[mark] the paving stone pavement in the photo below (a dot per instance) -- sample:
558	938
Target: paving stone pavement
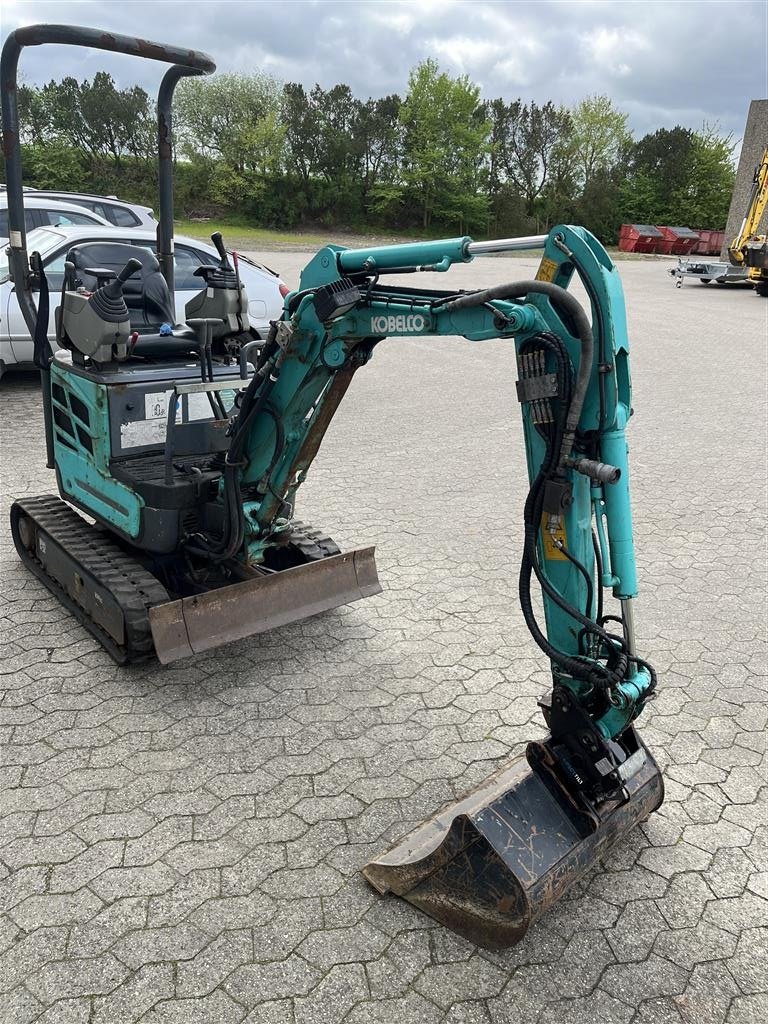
183	844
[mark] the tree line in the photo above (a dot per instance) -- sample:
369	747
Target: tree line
440	158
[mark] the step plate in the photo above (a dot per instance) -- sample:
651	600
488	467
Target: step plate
199	623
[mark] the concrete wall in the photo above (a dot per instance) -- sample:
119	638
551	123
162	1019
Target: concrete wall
755	141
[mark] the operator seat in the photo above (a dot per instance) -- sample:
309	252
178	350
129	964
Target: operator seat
146	295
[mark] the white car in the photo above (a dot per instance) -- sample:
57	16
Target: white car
41	211
265	289
113	210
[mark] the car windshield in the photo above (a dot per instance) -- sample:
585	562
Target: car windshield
41	240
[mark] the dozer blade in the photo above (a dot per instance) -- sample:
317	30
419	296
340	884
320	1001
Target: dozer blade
491	864
199	623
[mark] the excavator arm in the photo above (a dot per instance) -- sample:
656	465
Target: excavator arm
489	865
747	239
575	394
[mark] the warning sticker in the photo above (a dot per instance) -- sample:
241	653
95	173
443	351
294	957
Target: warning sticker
140	432
547	270
551	552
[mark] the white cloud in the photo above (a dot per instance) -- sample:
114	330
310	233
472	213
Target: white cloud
661	61
614	49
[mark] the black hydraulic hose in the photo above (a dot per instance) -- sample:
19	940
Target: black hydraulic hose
279	438
594	673
599	574
560	297
590	611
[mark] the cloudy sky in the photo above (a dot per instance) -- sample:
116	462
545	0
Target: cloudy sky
665	63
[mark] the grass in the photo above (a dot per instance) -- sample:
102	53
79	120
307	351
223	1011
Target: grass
242	236
245	237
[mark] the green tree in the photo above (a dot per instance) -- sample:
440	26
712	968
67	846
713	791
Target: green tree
599	138
658	166
302	129
96	118
677	176
380	133
445	143
711	178
234	118
527	140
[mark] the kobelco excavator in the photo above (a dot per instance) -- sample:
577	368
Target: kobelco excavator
185	449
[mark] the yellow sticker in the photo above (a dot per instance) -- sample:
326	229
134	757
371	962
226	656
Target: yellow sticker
551	551
547	270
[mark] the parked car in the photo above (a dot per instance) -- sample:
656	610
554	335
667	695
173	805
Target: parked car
115	211
265	289
39	212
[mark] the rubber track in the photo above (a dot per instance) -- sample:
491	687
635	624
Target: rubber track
313	544
132	587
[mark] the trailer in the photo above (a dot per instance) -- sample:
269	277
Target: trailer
707	271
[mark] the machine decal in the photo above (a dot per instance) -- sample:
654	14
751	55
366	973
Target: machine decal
551	551
547	270
156	405
390	324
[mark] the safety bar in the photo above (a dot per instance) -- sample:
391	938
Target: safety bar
189	62
165	172
71	35
507	244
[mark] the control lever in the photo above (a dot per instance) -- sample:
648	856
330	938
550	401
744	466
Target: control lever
218	243
109	281
203	328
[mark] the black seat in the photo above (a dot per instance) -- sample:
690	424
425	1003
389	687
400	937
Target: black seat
146	294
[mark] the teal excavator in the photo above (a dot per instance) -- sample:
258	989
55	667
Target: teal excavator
185	447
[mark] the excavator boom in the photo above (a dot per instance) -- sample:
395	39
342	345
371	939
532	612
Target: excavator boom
749	248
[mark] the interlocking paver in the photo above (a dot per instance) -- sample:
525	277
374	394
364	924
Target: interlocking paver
142	990
256	983
77	977
216	1008
203	973
183	843
708	995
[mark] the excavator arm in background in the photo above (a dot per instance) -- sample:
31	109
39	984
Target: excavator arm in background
749	248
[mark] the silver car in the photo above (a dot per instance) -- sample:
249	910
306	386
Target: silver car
111	209
265	289
41	210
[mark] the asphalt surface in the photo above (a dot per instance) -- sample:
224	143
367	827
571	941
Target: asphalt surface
183	845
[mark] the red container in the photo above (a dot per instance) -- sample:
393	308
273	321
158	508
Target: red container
710	242
676	241
639	238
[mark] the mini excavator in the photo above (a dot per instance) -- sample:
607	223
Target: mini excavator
178	454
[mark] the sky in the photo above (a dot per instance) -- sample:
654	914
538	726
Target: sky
664	63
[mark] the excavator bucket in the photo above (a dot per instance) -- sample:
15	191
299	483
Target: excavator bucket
490	865
194	624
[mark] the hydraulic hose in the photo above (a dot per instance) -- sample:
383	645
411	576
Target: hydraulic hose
596	674
560	297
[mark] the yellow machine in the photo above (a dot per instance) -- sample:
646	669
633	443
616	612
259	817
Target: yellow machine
750	249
